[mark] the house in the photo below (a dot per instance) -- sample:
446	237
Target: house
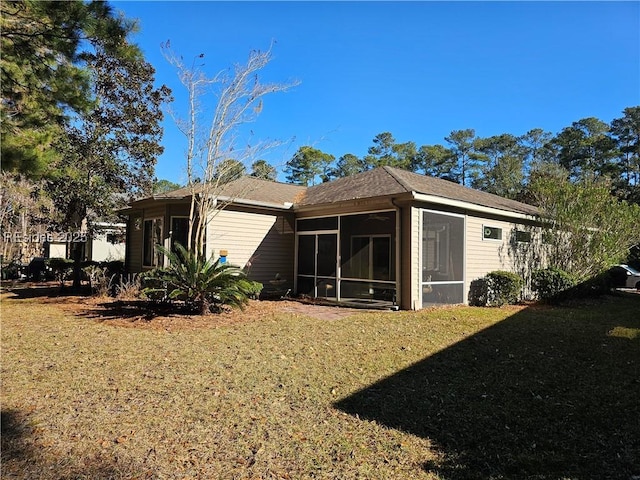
105	242
382	237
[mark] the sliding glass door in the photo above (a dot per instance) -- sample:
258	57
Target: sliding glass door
317	261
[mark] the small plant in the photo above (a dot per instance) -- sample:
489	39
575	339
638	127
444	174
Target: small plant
129	287
199	281
254	289
550	282
61	267
99	280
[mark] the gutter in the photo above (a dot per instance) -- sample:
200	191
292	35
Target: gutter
220	199
254	203
421	197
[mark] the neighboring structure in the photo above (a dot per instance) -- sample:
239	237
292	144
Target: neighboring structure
106	242
385	236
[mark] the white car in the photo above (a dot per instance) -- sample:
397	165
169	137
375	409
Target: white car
633	276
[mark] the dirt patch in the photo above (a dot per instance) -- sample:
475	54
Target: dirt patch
170	317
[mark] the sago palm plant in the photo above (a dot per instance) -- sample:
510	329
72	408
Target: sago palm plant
202	282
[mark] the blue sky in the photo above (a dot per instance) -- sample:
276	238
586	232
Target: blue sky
416	69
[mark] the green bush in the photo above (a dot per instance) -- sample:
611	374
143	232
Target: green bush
253	289
503	288
601	284
60	267
618	276
548	283
479	292
496	289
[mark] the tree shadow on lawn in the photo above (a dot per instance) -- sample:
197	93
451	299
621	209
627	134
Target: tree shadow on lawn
547	393
26	290
23	457
145	310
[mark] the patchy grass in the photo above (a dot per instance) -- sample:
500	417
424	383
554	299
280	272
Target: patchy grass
273	393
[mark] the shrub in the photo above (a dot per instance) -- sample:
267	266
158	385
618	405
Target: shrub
253	289
60	267
199	281
549	282
618	276
503	288
496	289
479	292
601	284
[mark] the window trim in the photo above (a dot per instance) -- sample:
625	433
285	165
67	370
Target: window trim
489	239
154	253
529	236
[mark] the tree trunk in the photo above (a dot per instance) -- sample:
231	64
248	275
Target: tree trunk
205	307
76	256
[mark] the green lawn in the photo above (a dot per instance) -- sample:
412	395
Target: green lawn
538	392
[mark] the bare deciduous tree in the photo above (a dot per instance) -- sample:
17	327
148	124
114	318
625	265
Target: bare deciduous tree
25	216
215	138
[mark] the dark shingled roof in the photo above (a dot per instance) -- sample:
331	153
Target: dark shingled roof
379	182
247	188
384	181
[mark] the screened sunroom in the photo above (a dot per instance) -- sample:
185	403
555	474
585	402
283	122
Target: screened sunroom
442	257
348	258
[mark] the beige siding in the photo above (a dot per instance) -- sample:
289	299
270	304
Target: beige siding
416	277
484	256
265	240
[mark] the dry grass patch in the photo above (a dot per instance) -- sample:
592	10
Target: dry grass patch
243	395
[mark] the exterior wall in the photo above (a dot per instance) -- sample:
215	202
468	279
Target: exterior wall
135	230
415	289
263	242
484	256
103	250
481	255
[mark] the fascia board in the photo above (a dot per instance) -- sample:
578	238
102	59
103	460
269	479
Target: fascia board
421	197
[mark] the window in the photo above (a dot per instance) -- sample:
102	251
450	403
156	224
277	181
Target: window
523	237
371	257
179	231
313	224
491	233
152	236
115	237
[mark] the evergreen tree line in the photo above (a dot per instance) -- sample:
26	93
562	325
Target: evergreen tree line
587	151
80	125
